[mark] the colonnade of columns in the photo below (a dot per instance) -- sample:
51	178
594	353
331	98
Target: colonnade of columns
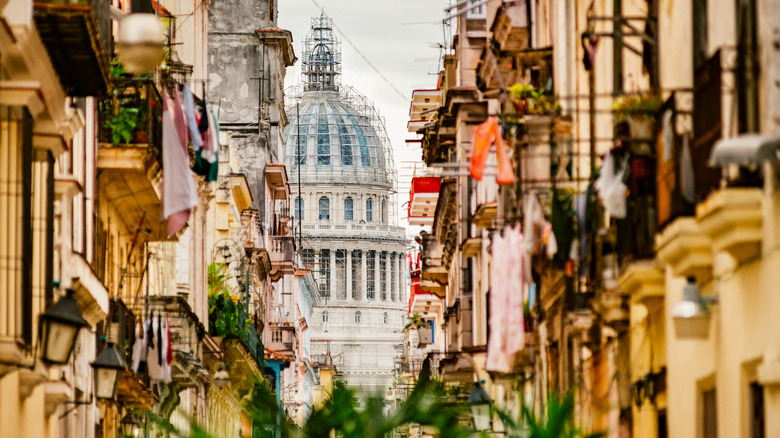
345	274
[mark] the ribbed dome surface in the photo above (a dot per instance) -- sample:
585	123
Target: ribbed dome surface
342	140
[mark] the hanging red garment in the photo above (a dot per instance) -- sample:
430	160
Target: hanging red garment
481	139
484	136
506	175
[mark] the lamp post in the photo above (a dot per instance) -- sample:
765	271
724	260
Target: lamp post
221	377
107	366
131	425
691	316
479	402
60	324
140	40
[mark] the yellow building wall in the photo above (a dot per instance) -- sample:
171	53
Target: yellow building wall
24	417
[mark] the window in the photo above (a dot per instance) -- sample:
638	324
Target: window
325	316
383	218
325	273
385	317
348	209
709	415
346	141
383	275
323	141
324	208
299	208
369	210
357	269
393	278
357	317
699	33
747	70
341	274
757	416
477	12
370	274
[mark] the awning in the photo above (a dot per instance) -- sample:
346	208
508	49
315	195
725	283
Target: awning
745	150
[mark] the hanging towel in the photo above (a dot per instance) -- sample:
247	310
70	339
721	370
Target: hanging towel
507	329
189	114
206	159
179	192
154	356
139	349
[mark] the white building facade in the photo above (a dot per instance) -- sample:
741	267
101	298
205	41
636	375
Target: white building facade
343	183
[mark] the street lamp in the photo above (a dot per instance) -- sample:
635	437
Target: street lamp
60	325
131	425
221	377
691	317
479	402
107	366
140	44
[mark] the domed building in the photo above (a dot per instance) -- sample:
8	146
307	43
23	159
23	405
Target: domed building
343	180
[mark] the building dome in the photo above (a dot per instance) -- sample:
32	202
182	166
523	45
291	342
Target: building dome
338	137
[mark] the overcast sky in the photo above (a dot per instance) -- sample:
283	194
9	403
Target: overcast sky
399	38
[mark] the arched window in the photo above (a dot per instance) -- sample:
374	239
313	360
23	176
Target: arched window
369	210
348	209
324	208
325	316
357	317
299	208
385	317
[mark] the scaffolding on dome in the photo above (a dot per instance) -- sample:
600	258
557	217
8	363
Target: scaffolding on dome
322	56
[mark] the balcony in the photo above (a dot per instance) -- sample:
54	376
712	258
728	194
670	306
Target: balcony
643	281
130	154
77	35
230	321
186	334
685	247
422	200
134	389
276	177
283	339
485	214
282	253
732	218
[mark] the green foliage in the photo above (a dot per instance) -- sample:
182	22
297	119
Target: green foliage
558	423
224	317
265	412
122	124
533	101
642	105
117	69
427	405
415	321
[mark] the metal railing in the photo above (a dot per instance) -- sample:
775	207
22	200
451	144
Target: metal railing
131	116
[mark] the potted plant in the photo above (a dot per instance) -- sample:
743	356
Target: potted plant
121	124
638	110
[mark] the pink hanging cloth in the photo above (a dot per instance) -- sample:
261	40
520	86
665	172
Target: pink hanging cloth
180	194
